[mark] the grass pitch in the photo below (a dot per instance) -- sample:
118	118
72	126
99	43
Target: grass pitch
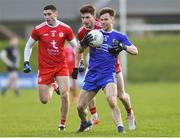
156	106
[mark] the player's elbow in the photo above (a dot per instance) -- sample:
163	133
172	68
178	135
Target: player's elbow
132	50
135	52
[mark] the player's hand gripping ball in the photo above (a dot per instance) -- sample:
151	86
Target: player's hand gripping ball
98	38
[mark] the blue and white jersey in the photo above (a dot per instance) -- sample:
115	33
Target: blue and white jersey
100	59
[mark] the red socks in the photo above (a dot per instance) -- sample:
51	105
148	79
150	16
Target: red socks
93	110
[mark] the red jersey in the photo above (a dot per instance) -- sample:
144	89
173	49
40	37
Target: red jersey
70	57
51	43
117	66
83	31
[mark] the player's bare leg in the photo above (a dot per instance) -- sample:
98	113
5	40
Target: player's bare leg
45	92
5	89
111	95
55	88
64	86
73	89
84	99
13	81
125	98
94	116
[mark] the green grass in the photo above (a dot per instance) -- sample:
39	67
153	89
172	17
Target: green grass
156	105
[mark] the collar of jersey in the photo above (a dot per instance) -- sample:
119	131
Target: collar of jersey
57	23
107	32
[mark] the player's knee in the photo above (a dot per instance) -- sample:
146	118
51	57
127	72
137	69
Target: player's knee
44	100
64	94
122	96
112	101
44	97
80	107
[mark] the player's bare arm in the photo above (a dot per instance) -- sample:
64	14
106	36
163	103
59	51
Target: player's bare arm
78	55
132	50
80	49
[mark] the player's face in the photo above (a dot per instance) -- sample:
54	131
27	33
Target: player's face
88	20
14	41
107	21
50	16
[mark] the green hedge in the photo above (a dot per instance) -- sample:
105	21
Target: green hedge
157	59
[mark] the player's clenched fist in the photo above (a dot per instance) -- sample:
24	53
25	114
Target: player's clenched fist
86	40
117	48
27	67
74	74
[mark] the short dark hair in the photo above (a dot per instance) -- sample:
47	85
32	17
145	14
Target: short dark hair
88	9
108	10
50	7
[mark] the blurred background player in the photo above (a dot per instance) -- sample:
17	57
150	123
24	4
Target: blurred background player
11	57
89	22
52	66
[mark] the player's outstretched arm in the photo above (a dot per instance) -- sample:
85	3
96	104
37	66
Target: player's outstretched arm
27	54
78	57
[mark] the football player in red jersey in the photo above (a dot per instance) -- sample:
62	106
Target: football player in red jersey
70	58
52	66
89	23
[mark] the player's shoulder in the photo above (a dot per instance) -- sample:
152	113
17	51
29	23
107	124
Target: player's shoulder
98	25
81	29
81	32
60	23
118	33
8	48
122	37
41	25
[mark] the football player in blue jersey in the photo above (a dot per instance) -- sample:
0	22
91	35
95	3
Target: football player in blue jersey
101	73
120	42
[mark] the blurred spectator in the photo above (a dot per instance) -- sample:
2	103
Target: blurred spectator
11	57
